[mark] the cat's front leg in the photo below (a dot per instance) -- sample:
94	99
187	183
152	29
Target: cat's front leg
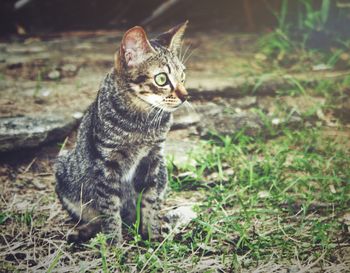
111	220
150	206
152	197
109	198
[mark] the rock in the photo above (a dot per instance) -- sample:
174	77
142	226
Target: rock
250	122
243	102
28	132
226	118
178	150
184	117
320	67
234	87
69	70
181	216
230	123
54	75
83	46
77	115
213	86
44	92
19	49
207	109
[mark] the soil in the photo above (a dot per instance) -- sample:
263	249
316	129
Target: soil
60	76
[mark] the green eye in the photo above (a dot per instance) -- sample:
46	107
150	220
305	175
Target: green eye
161	79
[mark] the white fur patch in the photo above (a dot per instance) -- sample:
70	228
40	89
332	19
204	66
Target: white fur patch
153	99
129	174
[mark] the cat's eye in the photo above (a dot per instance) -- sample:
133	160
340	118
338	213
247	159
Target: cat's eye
161	79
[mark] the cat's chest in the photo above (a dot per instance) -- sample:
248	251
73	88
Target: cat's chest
133	162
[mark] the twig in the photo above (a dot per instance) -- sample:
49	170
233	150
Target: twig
11	251
285	234
160	10
59	248
309	266
30	165
154	252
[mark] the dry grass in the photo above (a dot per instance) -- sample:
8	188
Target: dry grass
282	234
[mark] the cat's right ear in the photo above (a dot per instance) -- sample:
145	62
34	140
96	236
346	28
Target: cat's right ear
172	39
135	47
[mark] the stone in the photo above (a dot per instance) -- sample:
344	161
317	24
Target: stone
208	109
77	115
27	132
178	150
212	86
19	49
185	117
215	86
243	102
45	92
180	216
320	67
69	70
230	123
54	75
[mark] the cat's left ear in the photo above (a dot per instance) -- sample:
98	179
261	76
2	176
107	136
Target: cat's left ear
172	39
135	47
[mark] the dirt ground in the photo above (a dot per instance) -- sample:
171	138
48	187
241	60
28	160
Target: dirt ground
60	76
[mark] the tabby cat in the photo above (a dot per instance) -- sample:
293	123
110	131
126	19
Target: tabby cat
118	154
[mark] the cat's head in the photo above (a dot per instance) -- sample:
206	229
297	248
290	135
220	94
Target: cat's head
152	68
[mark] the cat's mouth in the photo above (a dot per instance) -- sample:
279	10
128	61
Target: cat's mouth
173	102
169	103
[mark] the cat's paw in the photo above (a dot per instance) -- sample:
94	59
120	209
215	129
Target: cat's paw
83	233
73	237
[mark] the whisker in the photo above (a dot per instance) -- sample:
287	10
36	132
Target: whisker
189	106
159	120
161	116
149	113
189	56
186	50
155	118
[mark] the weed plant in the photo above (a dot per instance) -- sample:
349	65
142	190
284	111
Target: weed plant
311	32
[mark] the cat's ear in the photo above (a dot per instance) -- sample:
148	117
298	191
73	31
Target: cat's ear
172	39
135	47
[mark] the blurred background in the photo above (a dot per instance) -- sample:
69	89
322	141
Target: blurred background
45	16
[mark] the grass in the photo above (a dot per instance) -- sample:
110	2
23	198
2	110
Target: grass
24	217
283	203
266	203
283	199
308	33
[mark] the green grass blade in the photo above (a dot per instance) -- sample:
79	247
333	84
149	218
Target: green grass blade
325	10
55	262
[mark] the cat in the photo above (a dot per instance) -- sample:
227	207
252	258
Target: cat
118	155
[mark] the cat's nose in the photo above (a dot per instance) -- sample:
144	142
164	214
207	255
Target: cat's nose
181	92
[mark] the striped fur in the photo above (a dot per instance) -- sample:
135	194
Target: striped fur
119	148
